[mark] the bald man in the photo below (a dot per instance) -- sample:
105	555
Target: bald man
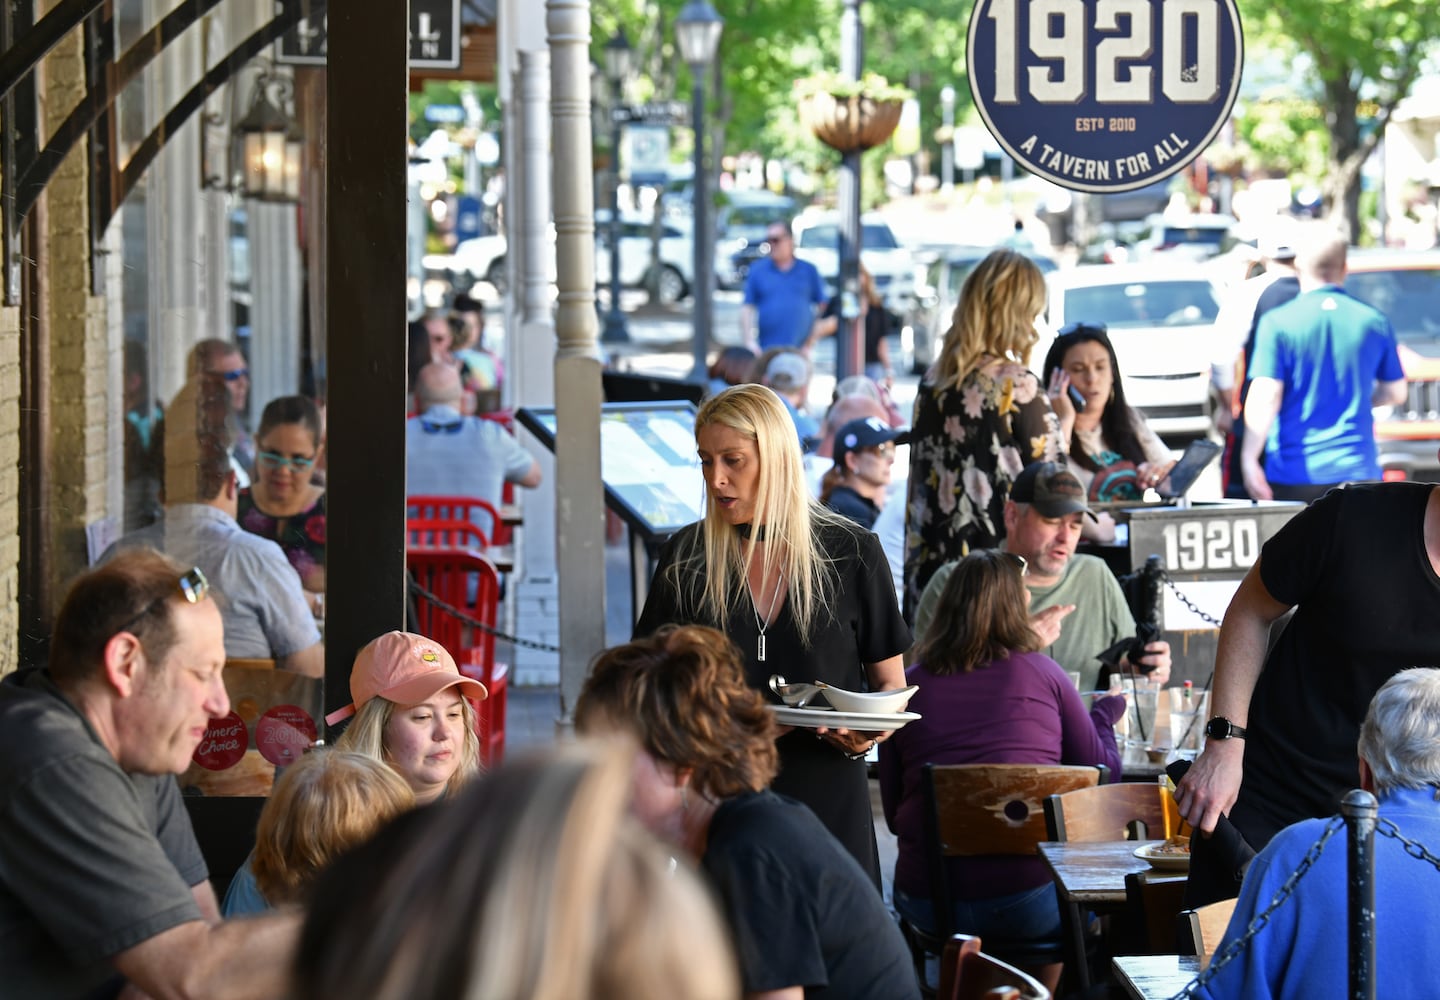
448	454
1321	362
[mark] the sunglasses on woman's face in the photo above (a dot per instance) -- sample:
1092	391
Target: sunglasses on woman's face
274	460
1020	563
1072	329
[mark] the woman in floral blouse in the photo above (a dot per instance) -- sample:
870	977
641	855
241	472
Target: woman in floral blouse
284	504
980	418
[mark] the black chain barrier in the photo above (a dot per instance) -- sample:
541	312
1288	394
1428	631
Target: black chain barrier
1194	608
1286	890
1383	827
455	612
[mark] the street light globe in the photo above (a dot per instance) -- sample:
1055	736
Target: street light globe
697	29
619	57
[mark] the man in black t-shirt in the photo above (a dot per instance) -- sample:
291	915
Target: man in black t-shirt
1360	566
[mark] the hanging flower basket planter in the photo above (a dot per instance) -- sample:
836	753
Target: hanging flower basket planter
850	116
850	124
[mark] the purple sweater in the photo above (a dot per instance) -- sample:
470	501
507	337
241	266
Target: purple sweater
1019	710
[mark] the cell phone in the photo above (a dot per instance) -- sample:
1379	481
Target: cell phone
1077	398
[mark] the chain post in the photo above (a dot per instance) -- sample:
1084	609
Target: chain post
1360	810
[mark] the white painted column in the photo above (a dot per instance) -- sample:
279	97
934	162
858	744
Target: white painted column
580	514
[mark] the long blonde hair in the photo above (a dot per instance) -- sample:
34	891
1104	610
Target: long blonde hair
995	315
782	504
533	885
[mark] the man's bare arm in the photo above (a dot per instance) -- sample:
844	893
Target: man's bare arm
246	959
1262	405
1390	393
309	661
1213	783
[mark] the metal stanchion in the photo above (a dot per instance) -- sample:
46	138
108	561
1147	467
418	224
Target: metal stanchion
1360	810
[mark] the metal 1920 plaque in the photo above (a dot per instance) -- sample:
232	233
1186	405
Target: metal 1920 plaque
1104	95
1214	541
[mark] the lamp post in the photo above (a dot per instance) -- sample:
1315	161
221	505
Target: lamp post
697	30
619	59
947	151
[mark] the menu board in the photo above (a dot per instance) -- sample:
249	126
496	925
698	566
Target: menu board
647	462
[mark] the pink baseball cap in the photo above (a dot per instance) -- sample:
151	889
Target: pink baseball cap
404	668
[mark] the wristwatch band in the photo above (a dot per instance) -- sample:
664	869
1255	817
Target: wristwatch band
1221	728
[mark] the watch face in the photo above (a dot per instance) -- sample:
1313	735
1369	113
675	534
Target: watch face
1218	729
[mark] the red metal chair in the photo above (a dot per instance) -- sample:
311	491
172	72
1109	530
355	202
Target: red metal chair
448	575
443	533
455	508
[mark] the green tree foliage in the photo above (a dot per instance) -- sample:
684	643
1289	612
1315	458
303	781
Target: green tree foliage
1358	51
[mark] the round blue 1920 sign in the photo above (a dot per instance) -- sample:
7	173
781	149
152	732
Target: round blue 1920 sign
1104	95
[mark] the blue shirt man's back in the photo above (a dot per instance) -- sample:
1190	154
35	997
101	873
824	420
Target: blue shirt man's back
784	301
1327	350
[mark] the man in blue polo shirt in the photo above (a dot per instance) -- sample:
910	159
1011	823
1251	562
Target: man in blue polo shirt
782	294
1321	362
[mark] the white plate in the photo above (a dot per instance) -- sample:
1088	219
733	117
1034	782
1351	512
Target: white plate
1164	862
865	722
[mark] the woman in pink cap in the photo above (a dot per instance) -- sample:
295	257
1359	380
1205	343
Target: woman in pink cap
412	711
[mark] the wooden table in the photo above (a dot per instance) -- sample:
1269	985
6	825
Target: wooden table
1089	876
1156	977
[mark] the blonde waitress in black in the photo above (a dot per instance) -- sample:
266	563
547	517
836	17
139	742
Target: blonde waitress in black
803	592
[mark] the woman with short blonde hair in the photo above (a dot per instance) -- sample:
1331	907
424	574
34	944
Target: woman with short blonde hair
323	805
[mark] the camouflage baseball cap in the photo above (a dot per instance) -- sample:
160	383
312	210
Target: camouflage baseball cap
1051	489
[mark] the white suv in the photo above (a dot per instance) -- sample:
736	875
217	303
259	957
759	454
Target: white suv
817	239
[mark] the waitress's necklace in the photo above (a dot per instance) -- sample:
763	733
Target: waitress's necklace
763	623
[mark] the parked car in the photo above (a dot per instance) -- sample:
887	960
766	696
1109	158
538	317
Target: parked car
817	239
1405	286
480	259
1161	320
740	228
677	255
939	276
1188	237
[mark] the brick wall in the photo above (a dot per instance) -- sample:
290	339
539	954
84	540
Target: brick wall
81	355
9	487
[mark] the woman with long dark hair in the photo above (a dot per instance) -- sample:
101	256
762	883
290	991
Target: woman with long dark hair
1113	451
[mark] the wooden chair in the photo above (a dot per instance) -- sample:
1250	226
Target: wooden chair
1153	901
984	809
967	973
1199	931
1108	812
448	574
456	508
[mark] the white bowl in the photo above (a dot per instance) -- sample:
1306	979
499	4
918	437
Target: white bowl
870	702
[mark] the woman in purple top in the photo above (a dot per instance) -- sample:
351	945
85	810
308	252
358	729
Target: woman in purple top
986	697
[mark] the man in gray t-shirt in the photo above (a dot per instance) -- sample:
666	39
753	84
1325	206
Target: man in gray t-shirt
101	881
1076	605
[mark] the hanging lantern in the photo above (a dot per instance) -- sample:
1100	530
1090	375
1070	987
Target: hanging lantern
270	146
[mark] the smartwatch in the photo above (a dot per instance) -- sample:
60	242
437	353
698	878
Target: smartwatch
1221	728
